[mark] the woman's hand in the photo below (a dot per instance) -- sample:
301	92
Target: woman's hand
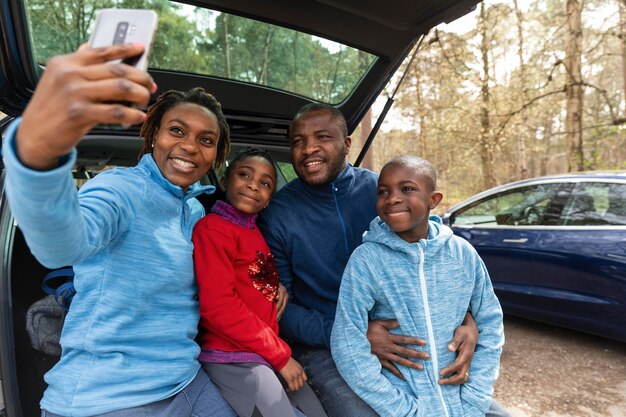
294	375
463	341
75	93
281	301
387	346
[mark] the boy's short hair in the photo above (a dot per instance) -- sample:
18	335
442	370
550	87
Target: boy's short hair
421	166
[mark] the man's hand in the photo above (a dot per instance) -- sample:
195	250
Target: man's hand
387	347
281	301
464	341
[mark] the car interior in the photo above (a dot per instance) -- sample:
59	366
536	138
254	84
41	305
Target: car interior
616	210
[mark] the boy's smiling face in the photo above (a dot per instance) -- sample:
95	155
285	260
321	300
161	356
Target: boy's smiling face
405	199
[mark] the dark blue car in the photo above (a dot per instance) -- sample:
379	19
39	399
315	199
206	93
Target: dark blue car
555	248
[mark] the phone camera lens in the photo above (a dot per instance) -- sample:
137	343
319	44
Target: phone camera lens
120	33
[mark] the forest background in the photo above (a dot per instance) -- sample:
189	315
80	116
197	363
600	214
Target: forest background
516	89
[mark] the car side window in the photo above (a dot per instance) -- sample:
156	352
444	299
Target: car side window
595	204
615	213
521	206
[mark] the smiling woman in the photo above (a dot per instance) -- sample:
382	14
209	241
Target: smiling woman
188	137
125	235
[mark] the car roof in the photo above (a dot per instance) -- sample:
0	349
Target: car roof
258	114
585	176
571	177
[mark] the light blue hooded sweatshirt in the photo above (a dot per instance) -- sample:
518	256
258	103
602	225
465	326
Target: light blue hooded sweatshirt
428	286
128	338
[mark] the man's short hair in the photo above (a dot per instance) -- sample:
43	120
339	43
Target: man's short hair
314	107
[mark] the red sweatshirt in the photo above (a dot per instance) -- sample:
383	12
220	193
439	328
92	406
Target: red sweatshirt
237	285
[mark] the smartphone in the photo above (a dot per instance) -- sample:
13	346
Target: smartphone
117	26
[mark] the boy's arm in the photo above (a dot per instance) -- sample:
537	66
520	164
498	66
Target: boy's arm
60	228
477	393
297	323
351	349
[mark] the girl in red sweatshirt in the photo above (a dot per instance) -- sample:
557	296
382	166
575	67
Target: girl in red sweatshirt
238	289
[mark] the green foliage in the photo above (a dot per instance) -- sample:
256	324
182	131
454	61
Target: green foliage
298	62
287	170
212	43
61	25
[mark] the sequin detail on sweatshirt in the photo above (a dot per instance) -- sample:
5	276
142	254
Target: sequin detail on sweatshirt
264	275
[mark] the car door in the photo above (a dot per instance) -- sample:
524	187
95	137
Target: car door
581	261
504	227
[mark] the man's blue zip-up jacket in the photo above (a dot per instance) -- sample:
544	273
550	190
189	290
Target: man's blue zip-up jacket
428	287
312	232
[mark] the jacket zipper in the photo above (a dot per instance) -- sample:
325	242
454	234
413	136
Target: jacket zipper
341	222
429	326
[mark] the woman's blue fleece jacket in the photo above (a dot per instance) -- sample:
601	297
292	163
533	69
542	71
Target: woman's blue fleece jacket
128	337
428	287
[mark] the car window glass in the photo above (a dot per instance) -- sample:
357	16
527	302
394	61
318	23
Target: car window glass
286	169
522	206
595	204
216	44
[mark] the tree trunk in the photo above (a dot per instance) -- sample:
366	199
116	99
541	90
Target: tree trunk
486	142
422	112
225	45
574	90
366	128
622	26
524	130
547	138
266	55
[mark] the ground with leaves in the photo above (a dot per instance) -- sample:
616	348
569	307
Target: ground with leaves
553	372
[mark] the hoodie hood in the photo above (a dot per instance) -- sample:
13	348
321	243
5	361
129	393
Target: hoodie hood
438	236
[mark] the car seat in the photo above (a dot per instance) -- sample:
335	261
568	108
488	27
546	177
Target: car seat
616	212
581	211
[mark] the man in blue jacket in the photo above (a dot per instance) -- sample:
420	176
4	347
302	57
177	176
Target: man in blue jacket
312	226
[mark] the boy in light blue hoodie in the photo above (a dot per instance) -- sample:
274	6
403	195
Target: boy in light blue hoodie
412	268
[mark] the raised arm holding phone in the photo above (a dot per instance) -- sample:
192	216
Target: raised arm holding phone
128	343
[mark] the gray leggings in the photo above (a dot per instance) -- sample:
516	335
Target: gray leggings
254	390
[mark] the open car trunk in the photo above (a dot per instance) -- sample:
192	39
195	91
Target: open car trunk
258	114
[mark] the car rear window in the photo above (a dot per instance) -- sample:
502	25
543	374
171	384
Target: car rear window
200	41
